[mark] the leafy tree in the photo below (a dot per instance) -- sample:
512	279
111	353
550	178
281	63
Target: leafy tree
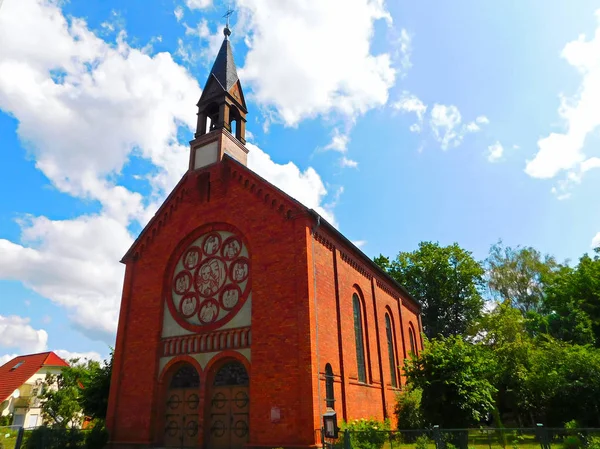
519	276
96	387
81	389
446	281
454	376
60	406
503	332
565	380
573	302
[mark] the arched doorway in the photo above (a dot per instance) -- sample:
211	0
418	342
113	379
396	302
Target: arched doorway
229	407
182	408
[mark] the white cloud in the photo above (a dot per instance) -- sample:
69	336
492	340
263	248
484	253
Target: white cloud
350	163
82	356
445	121
339	142
581	113
359	243
305	186
596	241
411	103
403	50
296	65
17	333
178	13
107	100
448	129
495	152
74	263
198	4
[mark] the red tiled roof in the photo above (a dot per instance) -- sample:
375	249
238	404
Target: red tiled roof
28	365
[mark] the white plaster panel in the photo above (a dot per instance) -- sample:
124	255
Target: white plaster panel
206	155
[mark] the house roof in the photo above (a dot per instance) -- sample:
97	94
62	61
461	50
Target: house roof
17	371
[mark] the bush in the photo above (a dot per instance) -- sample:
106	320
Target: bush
97	438
367	433
54	438
593	443
571	442
408	409
423	442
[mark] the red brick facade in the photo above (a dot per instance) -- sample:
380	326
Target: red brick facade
303	275
236	300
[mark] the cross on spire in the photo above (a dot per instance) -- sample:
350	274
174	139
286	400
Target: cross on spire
227	15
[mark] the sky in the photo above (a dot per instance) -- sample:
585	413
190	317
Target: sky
399	122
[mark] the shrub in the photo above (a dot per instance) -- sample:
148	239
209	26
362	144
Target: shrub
593	443
571	442
367	433
408	409
54	438
423	442
97	438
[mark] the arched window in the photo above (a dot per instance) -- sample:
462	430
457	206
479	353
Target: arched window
358	335
391	356
185	377
411	339
329	394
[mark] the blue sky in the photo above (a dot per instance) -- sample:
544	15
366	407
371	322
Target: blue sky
400	122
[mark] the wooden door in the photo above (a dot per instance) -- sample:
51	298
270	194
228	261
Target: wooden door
229	413
182	408
229	408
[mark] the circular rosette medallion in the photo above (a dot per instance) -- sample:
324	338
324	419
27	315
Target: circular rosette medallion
189	304
209	310
230	296
182	282
210	279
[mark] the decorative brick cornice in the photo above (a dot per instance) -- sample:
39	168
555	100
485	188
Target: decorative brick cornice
386	288
264	191
411	306
323	240
158	222
210	342
356	265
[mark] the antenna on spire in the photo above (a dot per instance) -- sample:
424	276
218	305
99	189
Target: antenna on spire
228	14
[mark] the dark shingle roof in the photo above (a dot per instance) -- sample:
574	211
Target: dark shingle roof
224	67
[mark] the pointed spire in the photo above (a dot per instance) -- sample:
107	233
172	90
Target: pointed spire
224	69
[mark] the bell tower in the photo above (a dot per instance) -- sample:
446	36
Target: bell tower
221	127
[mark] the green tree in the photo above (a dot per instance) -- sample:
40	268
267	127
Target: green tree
60	399
445	280
565	380
519	276
503	332
454	376
573	302
96	387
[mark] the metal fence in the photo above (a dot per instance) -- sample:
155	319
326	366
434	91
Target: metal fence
483	438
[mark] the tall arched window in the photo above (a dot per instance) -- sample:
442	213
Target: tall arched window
411	339
358	335
329	394
391	356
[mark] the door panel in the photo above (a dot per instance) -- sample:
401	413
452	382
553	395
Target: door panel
181	424
229	417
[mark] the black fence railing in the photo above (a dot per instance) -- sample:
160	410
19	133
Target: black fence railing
483	438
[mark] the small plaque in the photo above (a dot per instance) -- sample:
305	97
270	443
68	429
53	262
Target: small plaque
275	414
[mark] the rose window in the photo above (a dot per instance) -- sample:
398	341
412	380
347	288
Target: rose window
210	280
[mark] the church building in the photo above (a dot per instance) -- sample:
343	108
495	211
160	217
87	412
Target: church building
245	316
